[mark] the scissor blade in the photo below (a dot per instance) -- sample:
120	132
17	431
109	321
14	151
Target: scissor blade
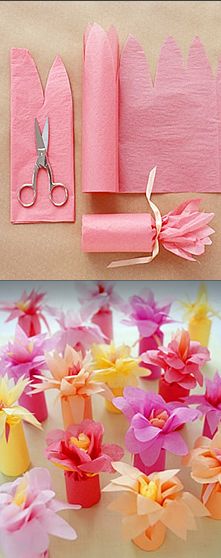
39	141
45	133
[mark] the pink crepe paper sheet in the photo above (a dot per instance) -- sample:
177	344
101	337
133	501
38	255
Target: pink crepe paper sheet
28	101
100	111
172	121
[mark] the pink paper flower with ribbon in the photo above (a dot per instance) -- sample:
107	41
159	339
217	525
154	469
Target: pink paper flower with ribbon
74	331
80	449
181	360
146	314
28	515
153	425
152	504
209	404
96	295
28	310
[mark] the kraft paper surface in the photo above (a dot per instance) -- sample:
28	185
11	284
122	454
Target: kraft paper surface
46	29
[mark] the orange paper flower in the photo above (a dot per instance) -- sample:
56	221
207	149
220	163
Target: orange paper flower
152	504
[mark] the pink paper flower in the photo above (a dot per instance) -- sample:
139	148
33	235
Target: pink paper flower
80	449
153	424
28	514
24	354
185	231
74	331
28	311
98	295
209	403
181	360
148	316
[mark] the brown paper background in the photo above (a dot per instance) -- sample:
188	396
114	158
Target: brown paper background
53	251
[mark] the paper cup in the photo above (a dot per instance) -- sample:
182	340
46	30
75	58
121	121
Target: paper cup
146	344
14	456
104	319
152	538
117	392
84	491
172	392
159	465
69	418
199	330
213	503
36	402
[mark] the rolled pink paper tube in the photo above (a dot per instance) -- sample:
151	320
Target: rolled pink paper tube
104	319
120	232
146	344
36	402
159	465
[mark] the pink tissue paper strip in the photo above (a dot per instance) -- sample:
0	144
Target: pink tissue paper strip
122	232
100	111
27	102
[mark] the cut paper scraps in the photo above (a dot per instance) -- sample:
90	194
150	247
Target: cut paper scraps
28	515
28	101
152	504
173	122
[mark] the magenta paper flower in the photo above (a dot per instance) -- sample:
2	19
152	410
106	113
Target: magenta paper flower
185	231
24	354
80	450
146	314
153	424
95	296
28	514
181	360
209	403
28	310
74	331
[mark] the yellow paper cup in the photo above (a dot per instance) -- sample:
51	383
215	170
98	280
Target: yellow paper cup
199	330
117	392
14	456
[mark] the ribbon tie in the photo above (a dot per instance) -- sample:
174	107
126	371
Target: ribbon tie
158	223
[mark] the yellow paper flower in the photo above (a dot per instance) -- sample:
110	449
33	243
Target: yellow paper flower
115	366
10	413
200	308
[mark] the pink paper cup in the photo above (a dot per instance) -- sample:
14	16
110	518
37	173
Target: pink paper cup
146	344
36	404
104	319
159	465
172	392
84	491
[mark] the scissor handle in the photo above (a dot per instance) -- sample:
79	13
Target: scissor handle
54	185
19	195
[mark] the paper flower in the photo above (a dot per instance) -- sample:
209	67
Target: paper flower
181	360
200	308
209	403
151	504
24	354
28	310
153	424
205	460
80	449
74	331
146	314
95	296
71	374
115	366
10	413
28	514
185	231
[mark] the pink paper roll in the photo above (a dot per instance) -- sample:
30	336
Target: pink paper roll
122	232
104	319
100	111
159	465
36	402
206	429
172	392
146	344
86	491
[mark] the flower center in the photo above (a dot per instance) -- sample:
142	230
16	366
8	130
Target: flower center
23	306
74	370
20	494
147	489
82	441
158	418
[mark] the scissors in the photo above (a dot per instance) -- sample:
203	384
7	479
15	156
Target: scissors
42	163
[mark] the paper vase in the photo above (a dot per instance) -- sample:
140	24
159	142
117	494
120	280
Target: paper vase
146	344
104	319
14	456
117	392
213	503
35	402
74	416
206	429
199	330
152	538
84	491
171	392
159	465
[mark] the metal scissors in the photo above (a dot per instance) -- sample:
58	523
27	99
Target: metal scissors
42	163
